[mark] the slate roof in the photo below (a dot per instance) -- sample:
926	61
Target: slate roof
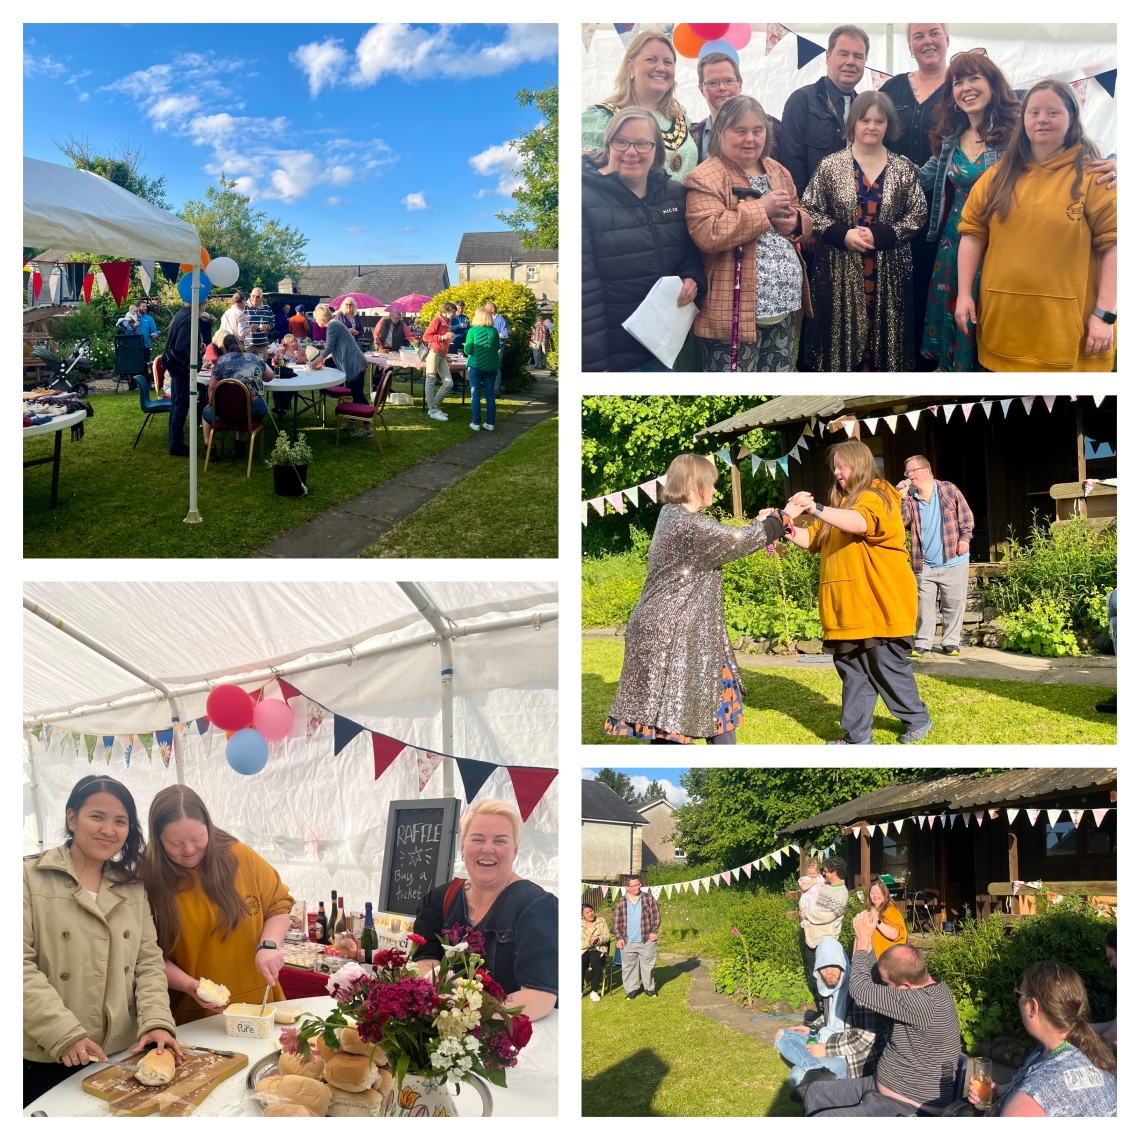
493	248
600	802
53	255
956	792
384	282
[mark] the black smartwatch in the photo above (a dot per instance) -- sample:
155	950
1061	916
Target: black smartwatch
267	945
1108	318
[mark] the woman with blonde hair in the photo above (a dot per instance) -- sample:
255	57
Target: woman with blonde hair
481	347
517	919
679	679
647	79
868	594
346	354
890	926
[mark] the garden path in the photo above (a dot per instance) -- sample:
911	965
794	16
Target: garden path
346	530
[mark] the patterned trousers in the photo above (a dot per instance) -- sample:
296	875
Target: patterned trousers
772	351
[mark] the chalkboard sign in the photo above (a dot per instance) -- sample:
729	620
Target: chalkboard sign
419	851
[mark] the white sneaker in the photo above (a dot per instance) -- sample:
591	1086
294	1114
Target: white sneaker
475	427
436	414
595	996
488	427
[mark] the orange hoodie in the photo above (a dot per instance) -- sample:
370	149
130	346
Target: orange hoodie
866	585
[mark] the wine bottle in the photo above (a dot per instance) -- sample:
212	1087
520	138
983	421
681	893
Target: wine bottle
341	924
332	919
322	925
368	939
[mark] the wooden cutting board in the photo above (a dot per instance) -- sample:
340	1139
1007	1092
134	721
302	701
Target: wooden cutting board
193	1081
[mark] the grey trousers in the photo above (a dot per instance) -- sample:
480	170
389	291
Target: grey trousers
439	372
854	1096
867	674
949	583
638	958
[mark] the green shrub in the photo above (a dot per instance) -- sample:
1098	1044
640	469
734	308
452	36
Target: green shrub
518	307
1044	628
552	355
759	980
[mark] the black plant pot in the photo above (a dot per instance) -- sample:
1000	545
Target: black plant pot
290	480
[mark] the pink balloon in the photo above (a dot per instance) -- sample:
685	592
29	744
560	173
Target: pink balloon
738	35
229	707
273	719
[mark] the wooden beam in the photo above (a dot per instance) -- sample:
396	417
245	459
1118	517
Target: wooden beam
1083	887
864	860
1082	470
1011	838
737	496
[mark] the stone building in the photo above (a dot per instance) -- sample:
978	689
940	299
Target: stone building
501	256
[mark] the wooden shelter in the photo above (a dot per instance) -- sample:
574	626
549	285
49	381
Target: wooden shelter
1010	466
950	843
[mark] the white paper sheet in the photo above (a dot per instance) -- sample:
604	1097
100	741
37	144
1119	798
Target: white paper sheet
658	324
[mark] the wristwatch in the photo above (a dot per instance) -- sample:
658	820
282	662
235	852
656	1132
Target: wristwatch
267	945
817	510
1108	318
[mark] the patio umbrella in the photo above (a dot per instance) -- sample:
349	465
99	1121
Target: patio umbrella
363	301
410	304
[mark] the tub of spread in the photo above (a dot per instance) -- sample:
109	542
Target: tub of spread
244	1021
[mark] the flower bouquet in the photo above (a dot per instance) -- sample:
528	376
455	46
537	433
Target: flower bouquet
445	1027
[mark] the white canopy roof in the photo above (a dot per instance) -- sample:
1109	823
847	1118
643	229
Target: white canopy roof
76	210
364	651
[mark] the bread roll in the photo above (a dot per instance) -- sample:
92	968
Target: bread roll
304	1090
287	1108
343	1103
212	992
295	1065
350	1071
156	1068
325	1051
285	1014
268	1084
350	1042
384	1081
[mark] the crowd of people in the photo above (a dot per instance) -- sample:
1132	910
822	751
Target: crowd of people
942	222
121	925
880	603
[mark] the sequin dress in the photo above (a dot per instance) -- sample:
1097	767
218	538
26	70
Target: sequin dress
870	199
679	679
942	340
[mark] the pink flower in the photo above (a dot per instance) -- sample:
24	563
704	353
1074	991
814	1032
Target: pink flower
736	932
418	939
403	1000
346	977
289	1042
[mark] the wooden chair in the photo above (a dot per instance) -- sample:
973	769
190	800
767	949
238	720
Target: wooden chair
231	409
367	413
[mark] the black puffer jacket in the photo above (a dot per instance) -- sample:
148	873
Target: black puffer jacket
627	244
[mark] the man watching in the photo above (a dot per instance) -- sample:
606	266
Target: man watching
718	77
460	323
262	323
919	1064
235	320
636	922
825	918
147	328
814	115
941	526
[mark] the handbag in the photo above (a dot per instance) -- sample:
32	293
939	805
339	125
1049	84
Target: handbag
422	351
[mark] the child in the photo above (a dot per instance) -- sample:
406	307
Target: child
810	883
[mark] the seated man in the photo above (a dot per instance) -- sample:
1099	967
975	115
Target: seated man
919	1063
850	1036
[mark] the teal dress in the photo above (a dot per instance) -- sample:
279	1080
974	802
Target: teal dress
942	341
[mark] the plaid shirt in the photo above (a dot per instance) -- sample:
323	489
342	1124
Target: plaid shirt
957	522
861	1042
650	917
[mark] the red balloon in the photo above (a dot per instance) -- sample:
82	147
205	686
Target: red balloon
229	707
710	31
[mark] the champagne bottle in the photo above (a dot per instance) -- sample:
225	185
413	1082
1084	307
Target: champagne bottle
322	925
332	919
368	939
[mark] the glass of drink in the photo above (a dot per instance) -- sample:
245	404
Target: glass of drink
981	1080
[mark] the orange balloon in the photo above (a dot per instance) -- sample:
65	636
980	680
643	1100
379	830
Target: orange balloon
230	733
686	41
204	257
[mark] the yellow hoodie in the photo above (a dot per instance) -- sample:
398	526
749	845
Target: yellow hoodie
1041	270
866	585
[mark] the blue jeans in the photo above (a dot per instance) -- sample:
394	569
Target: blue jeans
257	411
793	1048
481	382
179	407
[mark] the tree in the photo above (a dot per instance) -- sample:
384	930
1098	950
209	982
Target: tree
653	791
123	168
619	782
536	217
265	248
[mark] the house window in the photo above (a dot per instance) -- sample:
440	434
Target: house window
896	861
532	272
1060	839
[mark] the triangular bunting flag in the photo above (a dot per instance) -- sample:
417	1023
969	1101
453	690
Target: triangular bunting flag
661	480
777	856
747	868
655	892
783	462
616	501
725	456
314	719
878	78
164	738
1027	401
942	819
930	822
585	513
631	494
735	873
384	751
599	504
128	750
755	463
726	878
474	774
1049	401
118	275
775	33
649	487
1011	813
978	817
953	818
872	423
770	466
913	418
809	428
1033	813
1107	80
706	883
89	743
1054	814
426	764
849	427
106	746
203	725
88	285
1005	407
146	275
891	422
899	825
1098	815
806	51
1097	400
794	454
1076	814
344	730
1081	87
994	813
933	410
966	410
986	406
530	786
287	690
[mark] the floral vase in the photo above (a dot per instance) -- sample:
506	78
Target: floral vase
428	1096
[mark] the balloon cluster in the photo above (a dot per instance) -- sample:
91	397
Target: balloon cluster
223	273
695	41
249	727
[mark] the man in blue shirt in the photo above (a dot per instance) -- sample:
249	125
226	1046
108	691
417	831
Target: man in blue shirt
147	327
504	331
636	922
460	323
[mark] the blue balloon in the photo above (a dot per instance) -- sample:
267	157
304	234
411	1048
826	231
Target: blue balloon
720	45
185	283
247	751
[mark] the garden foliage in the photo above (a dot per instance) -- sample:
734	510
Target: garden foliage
552	355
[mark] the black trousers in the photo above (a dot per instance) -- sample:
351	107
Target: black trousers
882	671
593	967
808	953
42	1076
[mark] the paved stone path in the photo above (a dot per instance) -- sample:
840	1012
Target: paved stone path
345	530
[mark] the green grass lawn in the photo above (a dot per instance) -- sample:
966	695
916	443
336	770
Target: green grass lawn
799	705
506	508
657	1058
115	502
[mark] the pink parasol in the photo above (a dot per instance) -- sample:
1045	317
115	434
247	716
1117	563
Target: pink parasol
363	301
410	304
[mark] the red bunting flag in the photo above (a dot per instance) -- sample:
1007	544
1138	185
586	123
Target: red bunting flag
530	786
88	283
287	690
384	751
118	275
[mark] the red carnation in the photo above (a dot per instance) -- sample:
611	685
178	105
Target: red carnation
490	987
418	939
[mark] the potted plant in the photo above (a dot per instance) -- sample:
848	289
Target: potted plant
290	463
450	1026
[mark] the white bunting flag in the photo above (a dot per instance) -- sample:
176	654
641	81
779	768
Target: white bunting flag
966	410
793	454
426	764
146	275
585	513
953	819
1076	814
770	466
913	418
899	823
777	856
986	406
1049	400
891	422
1011	813
948	410
795	847
849	427
872	423
756	462
1097	400
631	494
747	869
1098	815
599	504
942	819
1054	814
662	480
1005	408
757	863
616	501
1027	401
655	892
1033	813
978	817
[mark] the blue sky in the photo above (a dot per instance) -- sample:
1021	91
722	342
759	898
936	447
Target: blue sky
382	144
669	778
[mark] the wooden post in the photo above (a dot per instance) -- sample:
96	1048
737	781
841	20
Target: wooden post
1014	902
864	858
737	498
1082	506
803	860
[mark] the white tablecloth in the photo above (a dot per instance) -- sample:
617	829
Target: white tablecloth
532	1085
57	424
307	380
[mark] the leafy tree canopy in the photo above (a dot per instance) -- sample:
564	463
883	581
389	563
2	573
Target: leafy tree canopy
536	216
654	791
620	783
123	167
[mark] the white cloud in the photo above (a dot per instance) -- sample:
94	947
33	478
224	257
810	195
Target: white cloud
172	110
589	774
676	796
354	229
332	201
320	63
46	66
499	162
338	175
414	201
407	230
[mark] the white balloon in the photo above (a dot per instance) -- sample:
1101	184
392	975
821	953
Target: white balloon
223	271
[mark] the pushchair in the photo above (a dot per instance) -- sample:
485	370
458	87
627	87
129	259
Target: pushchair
67	375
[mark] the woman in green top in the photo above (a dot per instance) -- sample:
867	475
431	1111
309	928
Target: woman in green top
482	351
647	79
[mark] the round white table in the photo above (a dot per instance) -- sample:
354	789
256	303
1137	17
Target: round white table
57	425
532	1086
312	380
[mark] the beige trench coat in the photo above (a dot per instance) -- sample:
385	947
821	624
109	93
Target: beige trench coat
92	967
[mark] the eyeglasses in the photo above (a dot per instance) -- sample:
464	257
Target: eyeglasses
972	51
1019	993
642	146
717	84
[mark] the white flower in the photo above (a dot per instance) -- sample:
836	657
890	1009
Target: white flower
458	948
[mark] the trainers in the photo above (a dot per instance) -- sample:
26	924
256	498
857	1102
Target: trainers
630	997
916	652
951	651
916	734
362	433
180	451
652	995
809	1078
436	414
475	427
488	427
1108	706
595	996
848	740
